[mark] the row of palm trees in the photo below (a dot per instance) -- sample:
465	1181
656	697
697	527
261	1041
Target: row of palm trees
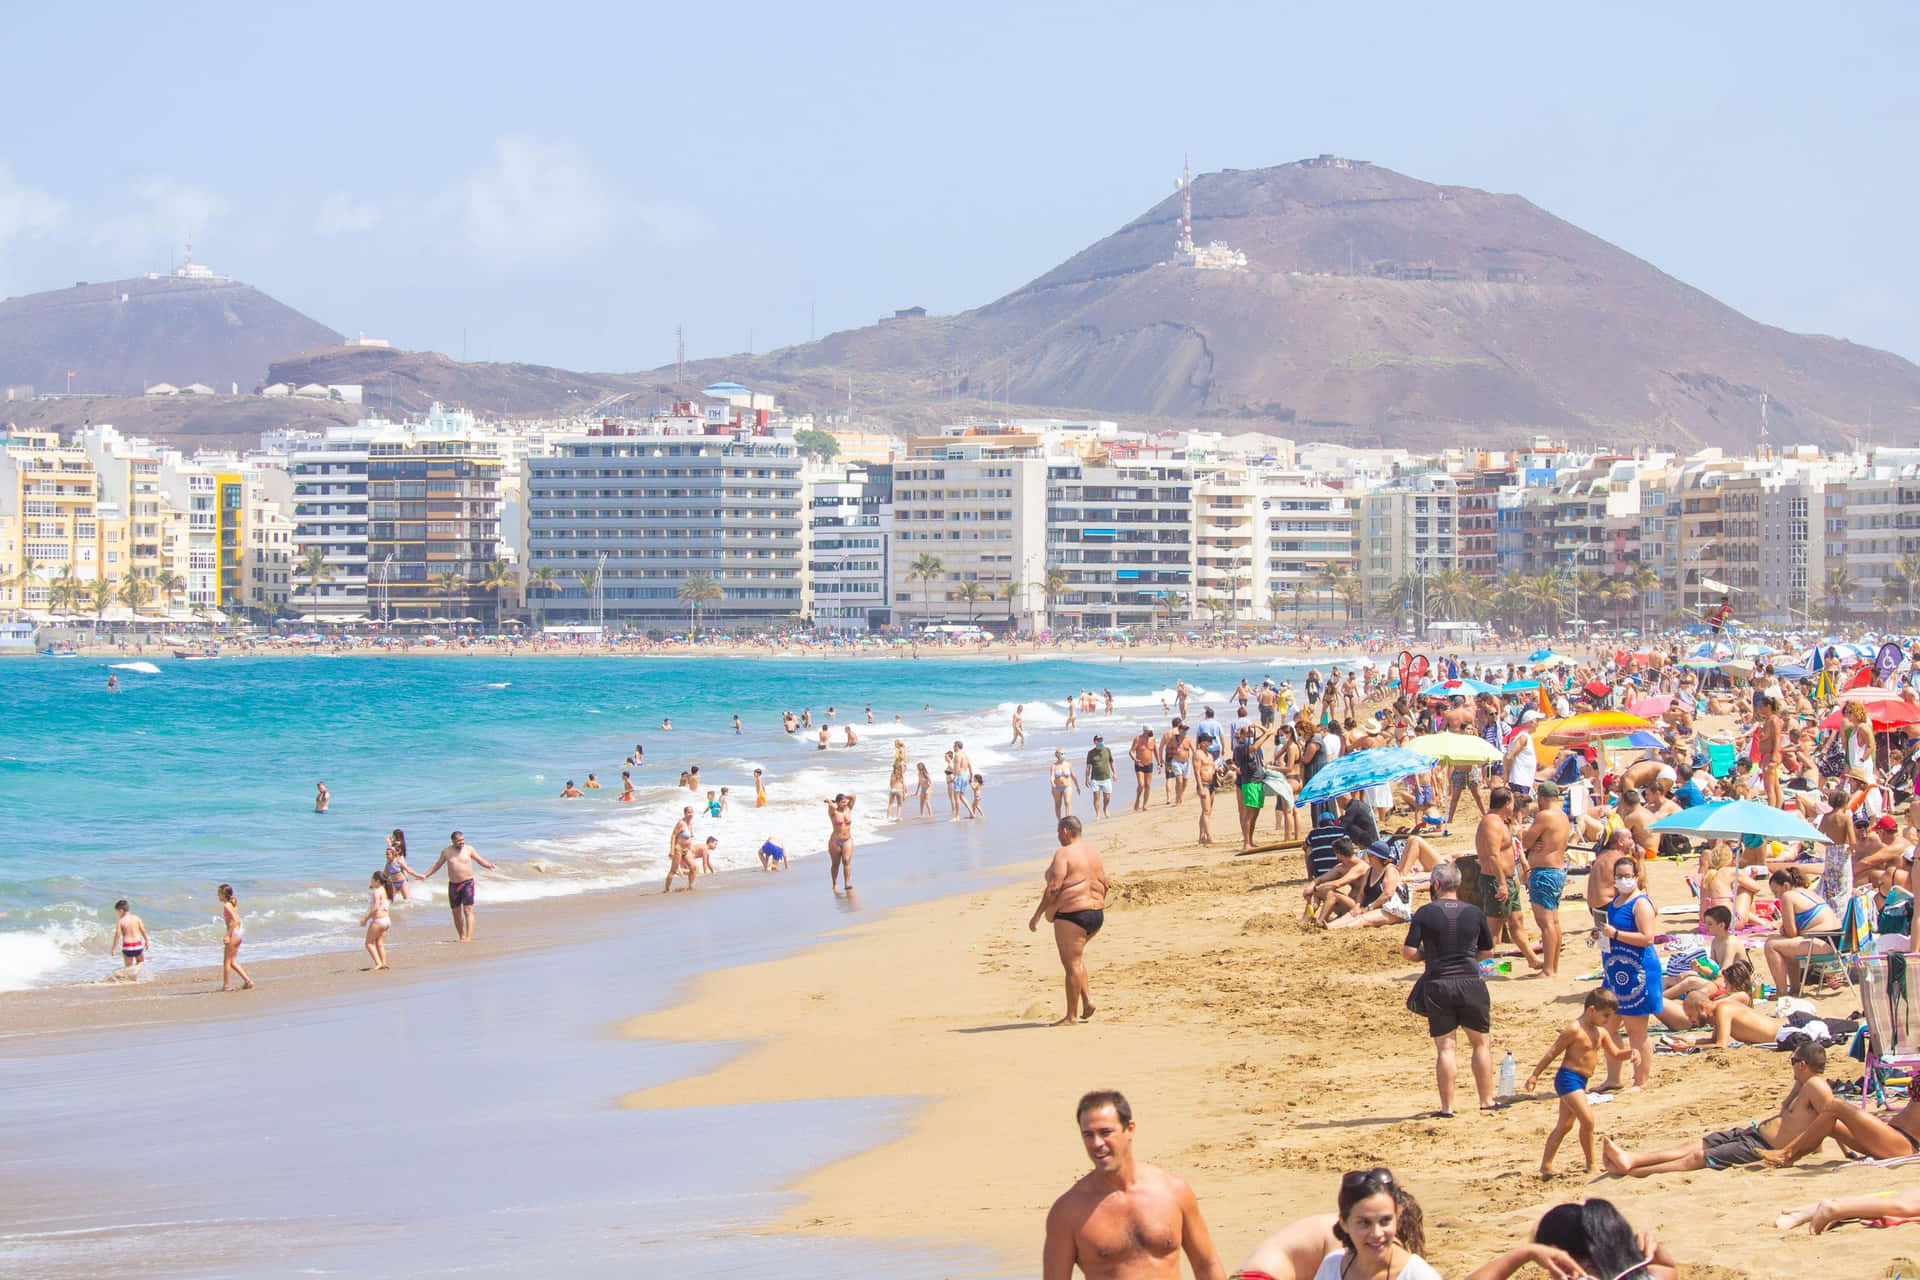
67	592
926	569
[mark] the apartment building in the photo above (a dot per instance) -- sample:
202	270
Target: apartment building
624	516
970	507
1122	532
330	516
1410	532
1228	567
433	519
49	497
1309	545
850	546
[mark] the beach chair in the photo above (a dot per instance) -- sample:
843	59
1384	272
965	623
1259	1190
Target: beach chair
1891	1001
1720	758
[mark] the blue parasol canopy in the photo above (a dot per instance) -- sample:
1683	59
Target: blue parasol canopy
1370	768
1728	819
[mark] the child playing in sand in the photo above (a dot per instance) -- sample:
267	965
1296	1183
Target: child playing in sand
1581	1044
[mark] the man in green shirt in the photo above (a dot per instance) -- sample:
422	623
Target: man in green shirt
1100	776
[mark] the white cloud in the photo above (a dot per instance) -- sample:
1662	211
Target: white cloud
25	210
340	215
165	212
539	201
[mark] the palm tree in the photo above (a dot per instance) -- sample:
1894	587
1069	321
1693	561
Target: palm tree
696	589
314	568
589	579
1053	585
497	578
29	576
1332	579
1450	589
1906	575
1219	608
1643	579
450	584
98	595
972	592
924	569
1352	596
1276	601
1838	592
135	591
541	583
1168	603
1011	592
65	590
166	585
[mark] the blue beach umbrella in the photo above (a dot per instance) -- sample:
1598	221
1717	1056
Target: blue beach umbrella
1639	738
1370	768
1728	819
1792	671
1519	686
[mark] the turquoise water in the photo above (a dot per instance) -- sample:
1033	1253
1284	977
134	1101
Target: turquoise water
201	773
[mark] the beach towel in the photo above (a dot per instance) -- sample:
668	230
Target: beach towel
1720	758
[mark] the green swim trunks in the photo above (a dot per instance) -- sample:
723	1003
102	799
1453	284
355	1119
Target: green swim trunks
1490	904
1253	795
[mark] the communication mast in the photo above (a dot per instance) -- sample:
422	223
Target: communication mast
1185	243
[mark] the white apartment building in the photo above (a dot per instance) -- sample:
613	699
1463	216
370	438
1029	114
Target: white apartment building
849	547
1309	534
330	515
1227	565
974	503
1410	532
1122	530
190	490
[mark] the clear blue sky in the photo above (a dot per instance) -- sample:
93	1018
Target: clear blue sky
567	182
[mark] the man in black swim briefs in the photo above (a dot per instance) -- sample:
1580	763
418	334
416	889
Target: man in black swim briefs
1075	901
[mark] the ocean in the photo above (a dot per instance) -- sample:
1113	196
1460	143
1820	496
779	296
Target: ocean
199	773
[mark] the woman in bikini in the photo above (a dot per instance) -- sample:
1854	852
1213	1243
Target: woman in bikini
236	934
924	789
397	869
378	917
1802	912
840	842
897	790
1064	782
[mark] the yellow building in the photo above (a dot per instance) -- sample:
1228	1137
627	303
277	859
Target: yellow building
50	495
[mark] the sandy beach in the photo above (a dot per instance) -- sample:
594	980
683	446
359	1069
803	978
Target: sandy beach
1262	1061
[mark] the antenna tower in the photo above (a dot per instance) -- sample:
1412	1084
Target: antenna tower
1185	244
679	354
1766	449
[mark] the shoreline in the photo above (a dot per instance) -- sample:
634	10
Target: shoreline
1262	1060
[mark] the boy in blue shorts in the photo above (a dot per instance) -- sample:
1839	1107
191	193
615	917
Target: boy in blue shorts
1581	1045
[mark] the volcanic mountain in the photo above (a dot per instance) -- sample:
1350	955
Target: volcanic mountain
124	336
1372	306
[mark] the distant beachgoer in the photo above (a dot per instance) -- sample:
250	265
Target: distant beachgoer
1075	901
897	790
321	797
736	725
459	858
1126	1219
806	717
851	740
666	724
571	792
236	934
869	713
759	790
1204	777
378	918
705	852
1072	704
592	783
1019	728
978	784
1100	776
840	841
680	849
1109	696
693	777
723	801
1061	777
772	857
626	787
823	736
129	936
113	684
397	869
924	789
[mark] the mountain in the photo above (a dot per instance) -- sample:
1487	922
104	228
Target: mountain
1373	306
124	336
397	382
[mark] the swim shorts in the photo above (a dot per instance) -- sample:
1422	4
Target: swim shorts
1544	887
1489	898
1089	919
1101	786
1566	1081
1179	768
1457	1002
135	954
1253	795
1726	1148
1145	770
460	893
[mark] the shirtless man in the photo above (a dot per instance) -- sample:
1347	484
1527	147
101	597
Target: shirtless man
1063	777
1176	754
1544	843
823	735
571	792
840	841
1493	847
1143	752
1203	774
1746	1145
1858	1132
1127	1219
1180	699
1019	727
1634	815
680	849
1075	901
459	858
593	783
129	937
321	797
1294	1252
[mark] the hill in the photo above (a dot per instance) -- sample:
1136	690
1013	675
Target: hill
123	336
409	381
1372	306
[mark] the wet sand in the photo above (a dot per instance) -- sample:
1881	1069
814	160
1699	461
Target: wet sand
1262	1061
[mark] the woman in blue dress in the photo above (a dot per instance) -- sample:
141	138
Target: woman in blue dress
1632	965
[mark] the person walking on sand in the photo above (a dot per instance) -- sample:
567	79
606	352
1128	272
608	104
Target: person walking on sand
1544	844
378	918
680	849
1448	938
1100	777
1579	1046
1019	727
1075	900
1144	753
396	868
1062	777
840	841
923	787
1126	1219
1204	773
236	934
321	797
459	858
129	937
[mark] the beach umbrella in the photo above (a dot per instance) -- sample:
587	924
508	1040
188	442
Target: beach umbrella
1757	650
1638	740
1740	667
1461	688
1596	689
1539	655
1652	707
1869	693
1453	748
1792	671
1577	731
1519	686
1552	660
1363	769
1729	819
1892	714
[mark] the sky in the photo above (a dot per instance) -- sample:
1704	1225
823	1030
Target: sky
566	183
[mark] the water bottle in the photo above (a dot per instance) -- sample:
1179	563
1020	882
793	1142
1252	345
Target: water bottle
1507	1071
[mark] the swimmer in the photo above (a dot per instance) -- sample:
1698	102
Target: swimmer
626	787
723	801
397	870
1019	729
759	790
713	805
113	684
840	842
736	726
823	736
571	792
869	713
666	724
593	783
851	740
693	777
129	937
706	853
321	797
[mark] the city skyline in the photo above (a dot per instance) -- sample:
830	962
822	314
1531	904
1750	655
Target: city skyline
437	182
